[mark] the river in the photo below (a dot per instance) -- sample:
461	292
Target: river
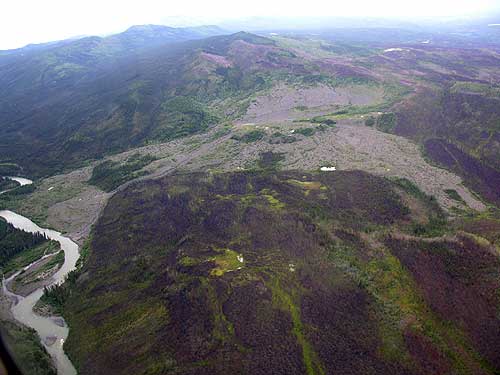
52	331
22	181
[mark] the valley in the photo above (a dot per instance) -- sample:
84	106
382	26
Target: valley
72	205
255	204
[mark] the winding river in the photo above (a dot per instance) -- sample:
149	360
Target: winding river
22	181
52	330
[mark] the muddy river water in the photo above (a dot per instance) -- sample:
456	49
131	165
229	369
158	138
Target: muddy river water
22	181
53	331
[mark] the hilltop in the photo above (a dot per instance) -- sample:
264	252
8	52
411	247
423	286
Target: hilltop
291	272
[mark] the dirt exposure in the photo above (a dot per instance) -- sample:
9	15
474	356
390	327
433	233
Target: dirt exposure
350	146
68	203
285	103
73	205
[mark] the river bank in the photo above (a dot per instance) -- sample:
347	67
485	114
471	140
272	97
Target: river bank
20	180
52	331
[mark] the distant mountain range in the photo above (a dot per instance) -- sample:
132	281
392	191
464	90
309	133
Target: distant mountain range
71	101
66	102
143	35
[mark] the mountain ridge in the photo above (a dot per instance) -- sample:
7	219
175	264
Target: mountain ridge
187	33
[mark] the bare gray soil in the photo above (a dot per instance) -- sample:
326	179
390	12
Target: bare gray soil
31	280
68	203
347	147
286	103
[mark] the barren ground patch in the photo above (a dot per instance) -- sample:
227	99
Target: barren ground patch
73	206
349	146
288	103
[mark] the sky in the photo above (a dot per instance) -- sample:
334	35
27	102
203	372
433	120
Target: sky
36	21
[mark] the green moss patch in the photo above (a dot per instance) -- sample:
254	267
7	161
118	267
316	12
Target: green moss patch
288	303
228	260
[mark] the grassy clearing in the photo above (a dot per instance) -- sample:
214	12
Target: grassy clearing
476	87
308	186
228	260
53	264
288	303
29	256
272	199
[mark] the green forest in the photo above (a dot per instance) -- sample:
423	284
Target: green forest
14	241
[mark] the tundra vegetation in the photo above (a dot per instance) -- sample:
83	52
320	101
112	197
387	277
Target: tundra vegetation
237	257
342	275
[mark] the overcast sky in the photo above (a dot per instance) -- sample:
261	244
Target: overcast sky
36	21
